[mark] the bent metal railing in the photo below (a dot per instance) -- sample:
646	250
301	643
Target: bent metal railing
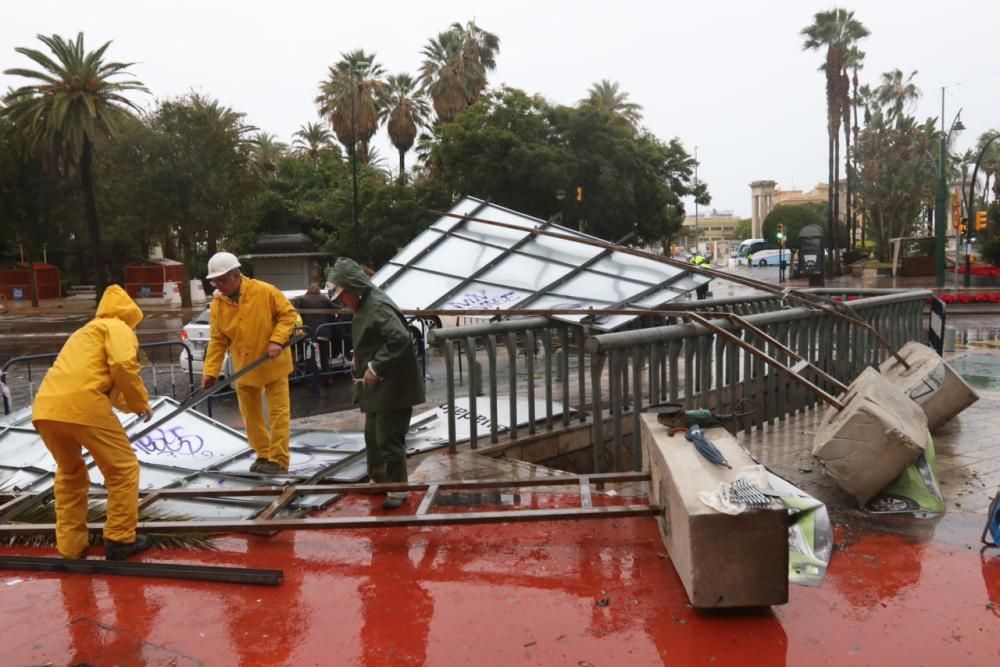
613	376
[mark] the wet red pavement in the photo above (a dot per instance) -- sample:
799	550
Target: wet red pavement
508	595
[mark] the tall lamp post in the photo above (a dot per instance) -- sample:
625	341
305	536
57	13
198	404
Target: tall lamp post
697	232
355	66
972	205
940	225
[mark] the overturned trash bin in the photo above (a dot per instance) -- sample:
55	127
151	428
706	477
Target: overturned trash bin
931	382
873	439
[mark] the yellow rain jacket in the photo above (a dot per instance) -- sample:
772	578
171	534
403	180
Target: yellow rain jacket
262	315
96	367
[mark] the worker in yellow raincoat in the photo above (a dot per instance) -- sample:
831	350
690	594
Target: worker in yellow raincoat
251	318
96	368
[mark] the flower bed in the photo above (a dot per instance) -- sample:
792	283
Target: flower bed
982	271
979	297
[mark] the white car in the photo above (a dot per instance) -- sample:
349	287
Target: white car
196	335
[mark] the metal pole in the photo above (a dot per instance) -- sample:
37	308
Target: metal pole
940	229
697	234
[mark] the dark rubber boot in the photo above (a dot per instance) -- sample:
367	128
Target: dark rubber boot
123	550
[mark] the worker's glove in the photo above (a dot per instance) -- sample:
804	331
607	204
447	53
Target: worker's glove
273	350
208	381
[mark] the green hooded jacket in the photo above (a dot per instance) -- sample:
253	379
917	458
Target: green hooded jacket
381	338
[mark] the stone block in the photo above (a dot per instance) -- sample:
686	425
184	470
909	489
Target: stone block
873	439
931	382
722	560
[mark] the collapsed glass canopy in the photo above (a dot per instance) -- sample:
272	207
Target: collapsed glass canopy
466	265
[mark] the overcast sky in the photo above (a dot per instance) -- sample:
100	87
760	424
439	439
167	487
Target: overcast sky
728	77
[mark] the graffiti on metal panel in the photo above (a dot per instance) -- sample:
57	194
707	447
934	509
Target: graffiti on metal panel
482	300
172	442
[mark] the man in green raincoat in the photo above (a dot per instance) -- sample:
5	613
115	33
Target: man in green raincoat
387	380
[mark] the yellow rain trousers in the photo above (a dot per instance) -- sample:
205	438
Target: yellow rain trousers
270	443
260	316
97	367
114	456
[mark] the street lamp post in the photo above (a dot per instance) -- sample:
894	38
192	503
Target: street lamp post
972	206
940	207
355	66
697	232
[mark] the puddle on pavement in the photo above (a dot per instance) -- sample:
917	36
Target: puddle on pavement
981	371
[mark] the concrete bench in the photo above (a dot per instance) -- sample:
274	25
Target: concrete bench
722	560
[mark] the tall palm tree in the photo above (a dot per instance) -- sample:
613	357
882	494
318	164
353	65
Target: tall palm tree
853	60
455	67
267	150
990	164
896	93
836	30
312	139
74	103
479	52
406	109
607	96
349	98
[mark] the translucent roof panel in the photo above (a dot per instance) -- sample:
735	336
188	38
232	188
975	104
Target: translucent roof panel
469	264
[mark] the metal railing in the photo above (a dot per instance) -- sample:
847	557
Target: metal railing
161	371
623	372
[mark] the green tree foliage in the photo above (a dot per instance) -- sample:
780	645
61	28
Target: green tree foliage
405	110
455	67
742	230
76	103
519	152
794	218
895	179
349	99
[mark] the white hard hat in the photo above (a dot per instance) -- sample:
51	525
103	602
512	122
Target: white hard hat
221	263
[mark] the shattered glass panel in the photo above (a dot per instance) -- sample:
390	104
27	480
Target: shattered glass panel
23	449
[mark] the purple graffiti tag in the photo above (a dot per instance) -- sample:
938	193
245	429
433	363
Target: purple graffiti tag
482	300
172	442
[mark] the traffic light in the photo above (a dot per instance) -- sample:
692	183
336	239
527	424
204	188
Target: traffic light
781	231
980	221
579	193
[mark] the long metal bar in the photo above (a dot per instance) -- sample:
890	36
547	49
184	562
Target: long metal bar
719	331
328	523
813	301
444	485
428	500
228	575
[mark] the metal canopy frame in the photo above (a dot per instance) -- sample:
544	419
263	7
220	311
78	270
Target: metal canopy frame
267	521
629	279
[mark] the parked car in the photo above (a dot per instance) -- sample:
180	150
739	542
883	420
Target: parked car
197	334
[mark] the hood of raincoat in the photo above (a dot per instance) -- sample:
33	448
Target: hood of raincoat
117	303
348	274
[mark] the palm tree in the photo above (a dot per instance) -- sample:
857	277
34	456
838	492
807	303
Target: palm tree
836	30
73	105
349	100
895	93
406	110
853	60
608	97
479	50
455	66
267	150
312	139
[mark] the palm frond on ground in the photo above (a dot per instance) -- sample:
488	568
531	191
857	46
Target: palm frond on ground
97	513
